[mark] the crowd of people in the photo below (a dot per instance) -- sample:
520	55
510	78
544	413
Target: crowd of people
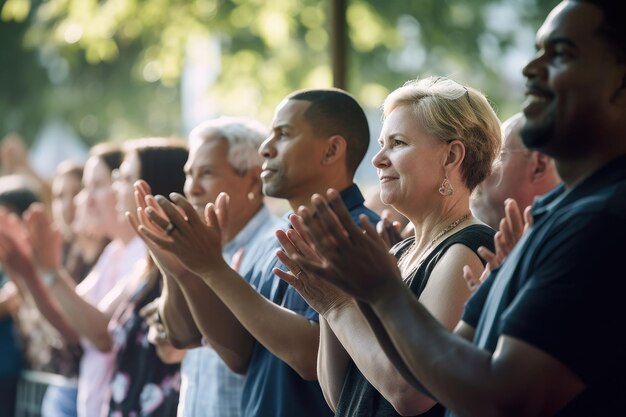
482	280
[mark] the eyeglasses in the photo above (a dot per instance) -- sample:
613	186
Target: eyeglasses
512	151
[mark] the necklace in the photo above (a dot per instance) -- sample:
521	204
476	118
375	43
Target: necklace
443	232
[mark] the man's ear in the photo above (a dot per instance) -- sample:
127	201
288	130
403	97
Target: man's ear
541	165
253	175
335	149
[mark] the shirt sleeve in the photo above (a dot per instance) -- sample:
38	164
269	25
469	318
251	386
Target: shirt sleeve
474	305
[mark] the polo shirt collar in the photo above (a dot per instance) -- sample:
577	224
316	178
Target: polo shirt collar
610	173
246	234
351	197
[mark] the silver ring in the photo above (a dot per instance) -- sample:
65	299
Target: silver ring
169	228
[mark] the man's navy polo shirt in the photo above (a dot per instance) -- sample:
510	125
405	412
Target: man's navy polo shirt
562	288
273	388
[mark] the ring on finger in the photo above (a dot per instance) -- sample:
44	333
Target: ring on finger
169	229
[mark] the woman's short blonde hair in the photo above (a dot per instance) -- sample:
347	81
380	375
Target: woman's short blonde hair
449	111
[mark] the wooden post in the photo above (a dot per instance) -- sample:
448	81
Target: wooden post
339	41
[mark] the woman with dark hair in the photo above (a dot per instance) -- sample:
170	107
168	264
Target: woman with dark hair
15	197
143	385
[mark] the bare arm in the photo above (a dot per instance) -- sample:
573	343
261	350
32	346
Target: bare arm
332	364
88	321
49	307
345	332
471	381
16	258
177	319
468	380
356	336
189	308
9	300
286	334
217	323
157	336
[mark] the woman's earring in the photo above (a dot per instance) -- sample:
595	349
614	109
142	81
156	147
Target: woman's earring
446	187
250	196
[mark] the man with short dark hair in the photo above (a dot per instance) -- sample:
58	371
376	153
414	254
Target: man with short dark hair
540	337
265	329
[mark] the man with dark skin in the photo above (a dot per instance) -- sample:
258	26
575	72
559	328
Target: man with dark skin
265	329
532	339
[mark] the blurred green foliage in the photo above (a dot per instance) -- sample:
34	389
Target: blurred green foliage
112	68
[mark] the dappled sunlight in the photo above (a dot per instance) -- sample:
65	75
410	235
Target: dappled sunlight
265	50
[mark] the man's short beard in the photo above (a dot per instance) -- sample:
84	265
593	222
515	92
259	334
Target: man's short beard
537	137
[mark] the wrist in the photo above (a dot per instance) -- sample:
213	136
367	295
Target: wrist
387	296
214	271
50	277
335	309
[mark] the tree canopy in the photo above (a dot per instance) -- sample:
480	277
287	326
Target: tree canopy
112	68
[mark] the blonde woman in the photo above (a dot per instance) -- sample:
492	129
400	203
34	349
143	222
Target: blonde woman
438	141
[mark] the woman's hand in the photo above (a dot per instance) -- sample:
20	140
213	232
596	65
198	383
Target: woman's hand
45	239
15	251
166	261
355	260
156	331
179	230
319	294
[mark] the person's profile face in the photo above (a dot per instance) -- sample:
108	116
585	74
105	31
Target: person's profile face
569	82
99	198
64	189
291	153
208	173
510	178
125	177
410	162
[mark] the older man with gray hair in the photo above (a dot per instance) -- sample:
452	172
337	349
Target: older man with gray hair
521	174
223	157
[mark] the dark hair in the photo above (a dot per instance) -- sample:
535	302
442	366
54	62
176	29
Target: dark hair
612	29
17	199
110	154
335	112
162	163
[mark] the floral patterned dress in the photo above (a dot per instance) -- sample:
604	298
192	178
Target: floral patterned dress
142	384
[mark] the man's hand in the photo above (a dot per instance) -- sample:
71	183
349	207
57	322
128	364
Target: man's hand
389	232
512	226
